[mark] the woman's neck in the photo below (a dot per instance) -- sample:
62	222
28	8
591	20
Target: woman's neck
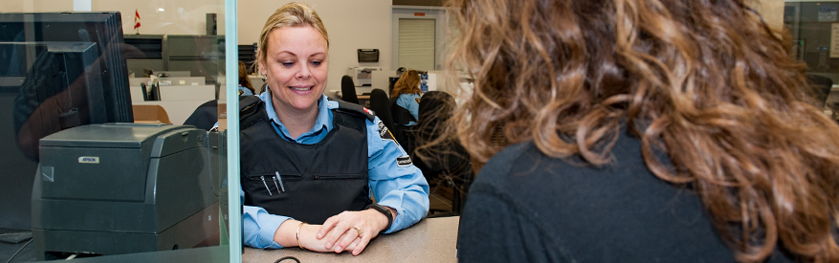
296	121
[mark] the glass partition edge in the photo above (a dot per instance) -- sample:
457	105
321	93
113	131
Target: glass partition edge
231	75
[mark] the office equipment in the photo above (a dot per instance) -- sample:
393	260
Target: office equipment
247	54
145	52
34	74
362	76
212	24
368	55
102	28
116	188
197	54
172	74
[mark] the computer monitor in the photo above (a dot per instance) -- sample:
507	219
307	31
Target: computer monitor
104	29
57	70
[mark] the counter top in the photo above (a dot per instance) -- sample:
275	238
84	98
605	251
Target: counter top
430	240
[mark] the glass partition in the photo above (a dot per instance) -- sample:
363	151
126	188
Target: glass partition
814	27
108	145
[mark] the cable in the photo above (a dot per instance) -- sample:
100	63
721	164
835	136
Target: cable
27	243
288	257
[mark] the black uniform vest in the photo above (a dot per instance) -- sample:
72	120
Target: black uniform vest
316	181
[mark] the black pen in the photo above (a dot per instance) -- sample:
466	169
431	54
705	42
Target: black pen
266	185
277	178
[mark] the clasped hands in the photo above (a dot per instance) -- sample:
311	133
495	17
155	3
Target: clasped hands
347	231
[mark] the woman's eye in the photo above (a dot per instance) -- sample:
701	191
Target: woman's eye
317	62
287	64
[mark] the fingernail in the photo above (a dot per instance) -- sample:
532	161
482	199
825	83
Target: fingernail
328	244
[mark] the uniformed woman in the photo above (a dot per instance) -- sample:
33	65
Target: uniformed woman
309	164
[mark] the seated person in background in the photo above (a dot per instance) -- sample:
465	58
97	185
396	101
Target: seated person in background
640	131
245	86
309	164
206	115
407	93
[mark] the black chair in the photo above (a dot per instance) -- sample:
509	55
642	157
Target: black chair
380	105
445	164
205	116
348	90
405	135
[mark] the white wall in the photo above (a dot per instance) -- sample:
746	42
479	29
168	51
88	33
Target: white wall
351	25
772	12
179	17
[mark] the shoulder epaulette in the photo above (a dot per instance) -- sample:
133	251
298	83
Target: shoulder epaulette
250	111
355	108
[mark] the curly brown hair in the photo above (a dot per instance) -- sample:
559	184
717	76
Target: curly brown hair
706	82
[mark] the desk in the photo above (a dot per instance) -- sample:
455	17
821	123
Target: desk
430	240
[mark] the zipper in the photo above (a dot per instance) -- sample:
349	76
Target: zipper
338	177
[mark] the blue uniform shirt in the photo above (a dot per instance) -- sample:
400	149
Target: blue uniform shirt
409	101
400	187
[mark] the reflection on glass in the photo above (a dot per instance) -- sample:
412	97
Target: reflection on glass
96	159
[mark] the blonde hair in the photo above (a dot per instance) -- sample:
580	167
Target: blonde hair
407	84
706	82
294	15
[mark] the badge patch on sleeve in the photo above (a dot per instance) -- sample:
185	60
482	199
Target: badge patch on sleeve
385	133
403	161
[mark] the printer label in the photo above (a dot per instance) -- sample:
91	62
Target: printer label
88	159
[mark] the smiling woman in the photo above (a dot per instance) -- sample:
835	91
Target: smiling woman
308	164
296	66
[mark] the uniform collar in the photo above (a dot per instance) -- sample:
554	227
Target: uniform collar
323	124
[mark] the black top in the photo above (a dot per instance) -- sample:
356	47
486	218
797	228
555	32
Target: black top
527	207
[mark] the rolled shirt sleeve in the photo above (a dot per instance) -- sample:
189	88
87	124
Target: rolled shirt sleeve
258	226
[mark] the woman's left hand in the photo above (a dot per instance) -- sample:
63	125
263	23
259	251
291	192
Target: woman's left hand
351	230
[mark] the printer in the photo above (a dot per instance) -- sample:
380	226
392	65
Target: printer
116	188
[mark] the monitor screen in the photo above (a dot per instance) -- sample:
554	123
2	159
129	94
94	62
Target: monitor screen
57	70
75	72
102	28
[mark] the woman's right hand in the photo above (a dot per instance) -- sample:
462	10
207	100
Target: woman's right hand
287	237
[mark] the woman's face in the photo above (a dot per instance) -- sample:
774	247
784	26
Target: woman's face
296	68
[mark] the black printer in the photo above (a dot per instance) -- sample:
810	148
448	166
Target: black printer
116	188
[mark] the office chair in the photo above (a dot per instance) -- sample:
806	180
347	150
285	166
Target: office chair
348	90
380	105
205	116
446	164
403	134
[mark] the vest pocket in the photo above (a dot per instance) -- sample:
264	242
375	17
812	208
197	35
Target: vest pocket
267	186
